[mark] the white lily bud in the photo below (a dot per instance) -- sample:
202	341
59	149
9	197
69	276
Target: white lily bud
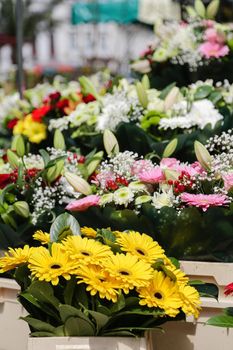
78	183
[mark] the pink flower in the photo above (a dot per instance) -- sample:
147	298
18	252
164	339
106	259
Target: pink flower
204	201
212	36
208	23
228	181
169	163
152	176
140	166
209	49
198	168
84	203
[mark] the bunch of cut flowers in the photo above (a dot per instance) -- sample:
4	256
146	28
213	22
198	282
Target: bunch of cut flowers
193	45
87	282
35	187
179	199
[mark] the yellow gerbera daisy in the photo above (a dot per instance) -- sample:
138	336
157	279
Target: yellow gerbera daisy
99	281
14	258
85	250
191	300
128	270
18	128
162	292
48	266
42	237
140	245
88	231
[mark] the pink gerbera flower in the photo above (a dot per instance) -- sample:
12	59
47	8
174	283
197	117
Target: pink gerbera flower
204	201
84	203
152	176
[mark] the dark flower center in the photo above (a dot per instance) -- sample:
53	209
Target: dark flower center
158	296
140	251
55	266
85	253
125	273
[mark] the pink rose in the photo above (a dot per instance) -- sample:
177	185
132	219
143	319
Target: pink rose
152	176
84	203
209	50
228	181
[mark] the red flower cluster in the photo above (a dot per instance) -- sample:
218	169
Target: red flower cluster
89	98
229	289
11	124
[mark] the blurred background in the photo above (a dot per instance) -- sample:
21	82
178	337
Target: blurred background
70	37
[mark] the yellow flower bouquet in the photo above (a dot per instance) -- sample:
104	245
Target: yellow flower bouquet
86	282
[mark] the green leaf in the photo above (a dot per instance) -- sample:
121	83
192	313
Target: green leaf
100	319
59	331
119	305
67	311
75	326
116	333
221	321
13	159
38	325
43	292
69	290
55	171
8	188
63	226
41	334
203	92
45	156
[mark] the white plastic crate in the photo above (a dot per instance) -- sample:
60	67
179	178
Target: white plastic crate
13	332
219	274
87	343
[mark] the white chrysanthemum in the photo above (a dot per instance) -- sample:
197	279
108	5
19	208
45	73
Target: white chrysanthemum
59	123
137	186
202	113
106	198
117	108
123	196
163	199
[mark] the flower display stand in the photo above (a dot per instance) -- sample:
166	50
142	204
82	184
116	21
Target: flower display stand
13	332
88	343
195	334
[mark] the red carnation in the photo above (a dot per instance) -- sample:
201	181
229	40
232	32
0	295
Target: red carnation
11	124
39	113
89	98
229	289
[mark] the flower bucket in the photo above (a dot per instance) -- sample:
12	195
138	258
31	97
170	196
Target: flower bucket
13	331
88	343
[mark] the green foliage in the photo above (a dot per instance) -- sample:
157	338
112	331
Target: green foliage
64	225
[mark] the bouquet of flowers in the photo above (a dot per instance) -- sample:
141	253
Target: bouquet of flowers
145	119
200	45
179	199
86	282
35	187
